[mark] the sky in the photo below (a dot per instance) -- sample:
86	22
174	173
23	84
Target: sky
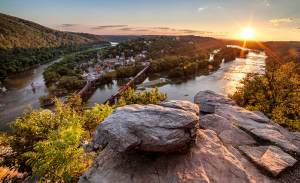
271	20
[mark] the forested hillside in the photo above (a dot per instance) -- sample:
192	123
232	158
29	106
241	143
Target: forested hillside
24	43
20	33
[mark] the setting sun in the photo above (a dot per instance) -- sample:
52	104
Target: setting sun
247	33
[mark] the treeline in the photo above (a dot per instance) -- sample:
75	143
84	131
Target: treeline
185	66
129	71
16	59
229	54
156	47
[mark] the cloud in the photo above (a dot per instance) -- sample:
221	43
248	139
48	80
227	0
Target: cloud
162	28
126	29
282	20
268	4
142	30
108	26
187	31
69	25
200	9
219	7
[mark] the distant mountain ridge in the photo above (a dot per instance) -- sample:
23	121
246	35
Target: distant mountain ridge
19	33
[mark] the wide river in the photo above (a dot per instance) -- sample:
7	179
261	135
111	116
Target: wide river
224	80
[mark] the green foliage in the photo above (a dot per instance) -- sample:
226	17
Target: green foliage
45	99
229	54
31	128
26	34
276	94
105	78
154	49
95	116
129	71
130	97
69	82
176	73
58	158
66	66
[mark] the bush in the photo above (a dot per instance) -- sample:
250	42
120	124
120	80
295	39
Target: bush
151	97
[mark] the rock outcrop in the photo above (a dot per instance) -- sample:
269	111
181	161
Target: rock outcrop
271	158
256	124
207	161
173	142
228	133
207	100
167	126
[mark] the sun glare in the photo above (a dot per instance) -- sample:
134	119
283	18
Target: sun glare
247	33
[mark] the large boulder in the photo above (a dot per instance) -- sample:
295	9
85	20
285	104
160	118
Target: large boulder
207	100
272	158
228	133
207	161
260	126
168	126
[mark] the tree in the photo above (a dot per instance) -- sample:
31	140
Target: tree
276	94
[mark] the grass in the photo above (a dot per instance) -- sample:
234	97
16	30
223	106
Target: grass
165	83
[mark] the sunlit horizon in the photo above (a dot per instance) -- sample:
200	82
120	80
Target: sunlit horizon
218	19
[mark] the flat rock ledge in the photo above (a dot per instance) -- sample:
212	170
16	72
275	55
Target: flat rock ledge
206	161
228	133
165	127
207	100
260	126
271	158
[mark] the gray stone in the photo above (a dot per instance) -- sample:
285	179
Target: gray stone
207	161
207	100
228	133
260	126
149	127
180	104
272	158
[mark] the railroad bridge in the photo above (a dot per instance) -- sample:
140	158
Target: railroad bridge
112	99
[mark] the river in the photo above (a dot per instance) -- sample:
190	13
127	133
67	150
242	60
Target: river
20	93
224	80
